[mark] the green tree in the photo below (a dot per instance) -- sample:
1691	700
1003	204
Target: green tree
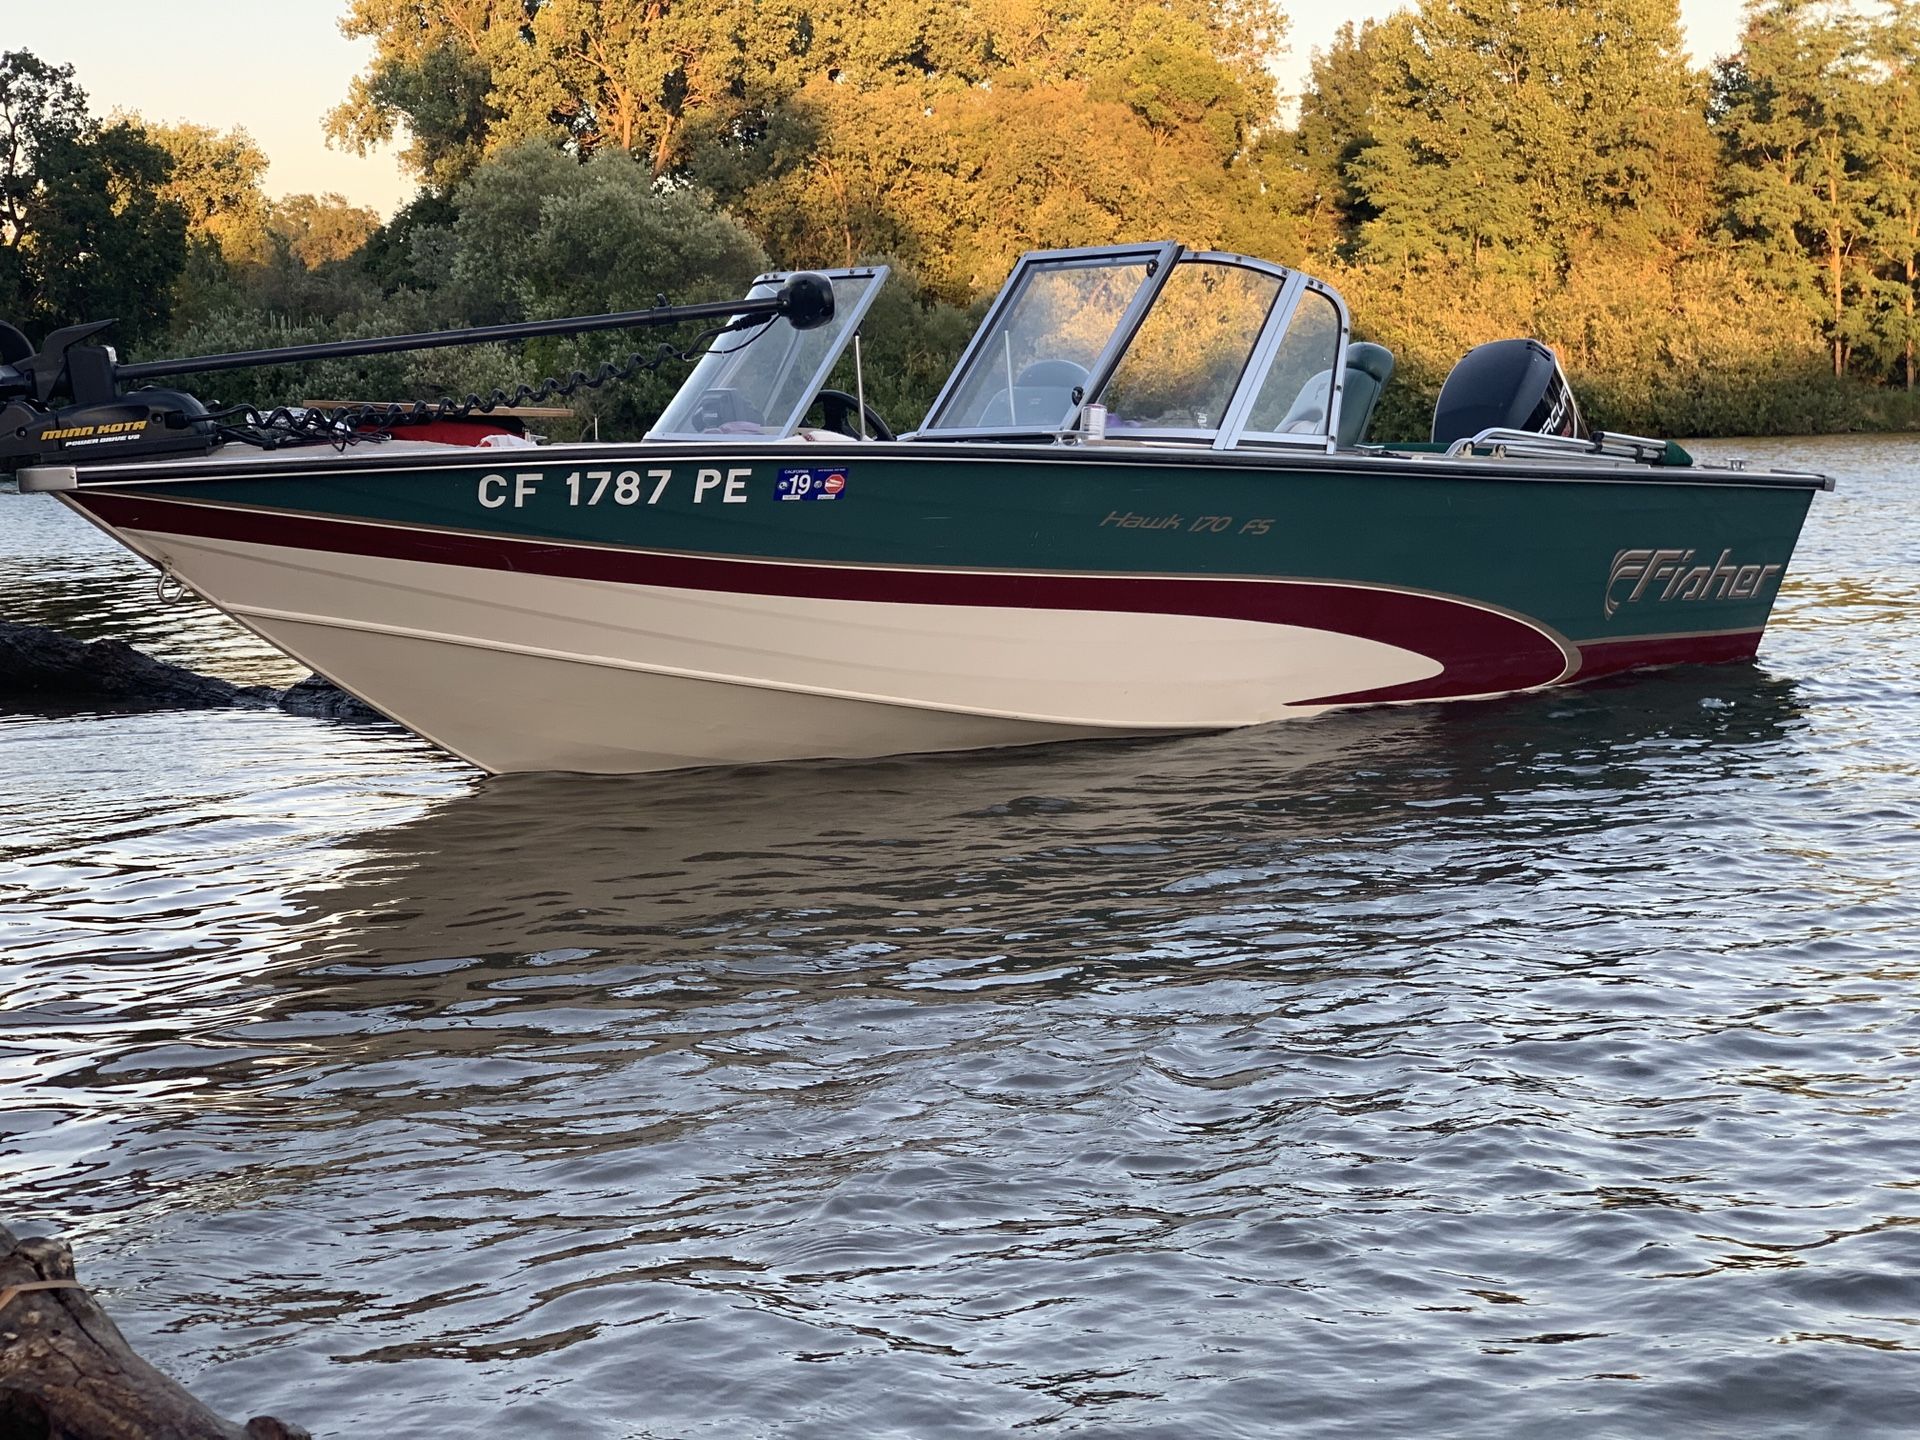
1020	125
216	181
432	75
405	252
1519	132
701	84
320	230
468	78
538	235
1894	47
531	234
38	103
1792	110
955	186
1335	128
85	233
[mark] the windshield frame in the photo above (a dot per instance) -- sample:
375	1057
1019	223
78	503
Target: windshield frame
1233	426
1259	356
1159	258
1233	432
847	316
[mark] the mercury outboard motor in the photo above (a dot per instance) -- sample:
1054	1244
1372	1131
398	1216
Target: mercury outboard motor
1507	385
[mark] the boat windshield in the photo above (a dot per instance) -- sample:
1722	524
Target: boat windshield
1185	362
759	382
1296	395
1050	339
1188	348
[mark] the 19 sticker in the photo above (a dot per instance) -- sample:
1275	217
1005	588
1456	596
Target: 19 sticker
810	485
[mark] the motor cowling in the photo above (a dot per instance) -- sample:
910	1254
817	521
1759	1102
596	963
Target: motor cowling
139	424
1508	385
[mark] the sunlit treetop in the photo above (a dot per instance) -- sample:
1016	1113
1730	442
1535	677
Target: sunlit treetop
466	78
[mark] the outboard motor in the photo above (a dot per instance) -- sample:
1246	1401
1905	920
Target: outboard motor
1507	385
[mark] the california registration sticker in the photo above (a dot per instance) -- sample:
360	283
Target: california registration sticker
810	485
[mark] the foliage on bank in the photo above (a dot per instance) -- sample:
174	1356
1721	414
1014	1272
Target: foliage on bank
1730	251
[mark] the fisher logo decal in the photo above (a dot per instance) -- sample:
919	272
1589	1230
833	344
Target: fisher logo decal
810	485
1672	575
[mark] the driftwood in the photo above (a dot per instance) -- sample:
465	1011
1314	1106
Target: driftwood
66	1372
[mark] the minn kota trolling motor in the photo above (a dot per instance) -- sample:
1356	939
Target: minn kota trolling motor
72	402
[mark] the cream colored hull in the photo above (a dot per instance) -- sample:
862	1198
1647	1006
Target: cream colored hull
517	672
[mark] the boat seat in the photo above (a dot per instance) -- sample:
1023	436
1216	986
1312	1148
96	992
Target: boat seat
1369	367
1308	413
1042	396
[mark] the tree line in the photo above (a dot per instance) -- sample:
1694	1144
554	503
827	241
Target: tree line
1734	250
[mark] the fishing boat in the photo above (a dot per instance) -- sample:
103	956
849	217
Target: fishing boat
1142	503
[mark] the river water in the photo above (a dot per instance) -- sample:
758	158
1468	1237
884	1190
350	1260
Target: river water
1474	1070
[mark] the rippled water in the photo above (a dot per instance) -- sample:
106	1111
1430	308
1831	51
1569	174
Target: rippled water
1543	1064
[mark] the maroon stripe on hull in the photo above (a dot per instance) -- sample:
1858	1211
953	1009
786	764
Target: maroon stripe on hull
1609	657
1481	651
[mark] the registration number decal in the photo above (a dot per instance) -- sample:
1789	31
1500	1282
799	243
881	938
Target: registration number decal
583	489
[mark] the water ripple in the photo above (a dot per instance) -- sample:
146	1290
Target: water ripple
1476	1070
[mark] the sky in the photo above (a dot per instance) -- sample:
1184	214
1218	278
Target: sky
275	67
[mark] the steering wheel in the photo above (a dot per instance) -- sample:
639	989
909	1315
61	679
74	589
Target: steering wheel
838	409
720	407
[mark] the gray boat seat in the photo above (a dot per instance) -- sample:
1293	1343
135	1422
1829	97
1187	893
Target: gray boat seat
1369	367
1042	396
1308	413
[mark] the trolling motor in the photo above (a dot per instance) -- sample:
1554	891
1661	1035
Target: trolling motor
99	420
69	403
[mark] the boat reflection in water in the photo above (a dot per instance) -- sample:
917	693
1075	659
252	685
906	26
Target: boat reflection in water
1065	864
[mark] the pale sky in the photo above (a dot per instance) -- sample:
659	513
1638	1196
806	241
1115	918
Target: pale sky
276	67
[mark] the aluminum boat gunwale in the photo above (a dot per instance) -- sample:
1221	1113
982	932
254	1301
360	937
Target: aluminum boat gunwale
252	465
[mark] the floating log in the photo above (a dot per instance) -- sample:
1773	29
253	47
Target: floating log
66	1372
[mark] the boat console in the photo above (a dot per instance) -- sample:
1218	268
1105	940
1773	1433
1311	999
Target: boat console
761	383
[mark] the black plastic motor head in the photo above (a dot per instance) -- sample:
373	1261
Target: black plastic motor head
64	364
806	300
14	346
138	425
1507	385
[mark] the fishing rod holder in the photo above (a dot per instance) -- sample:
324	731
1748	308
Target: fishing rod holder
69	401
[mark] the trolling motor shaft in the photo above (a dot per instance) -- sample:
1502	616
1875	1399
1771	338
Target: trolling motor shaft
100	419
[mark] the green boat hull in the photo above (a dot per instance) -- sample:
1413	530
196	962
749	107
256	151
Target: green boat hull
1298	580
